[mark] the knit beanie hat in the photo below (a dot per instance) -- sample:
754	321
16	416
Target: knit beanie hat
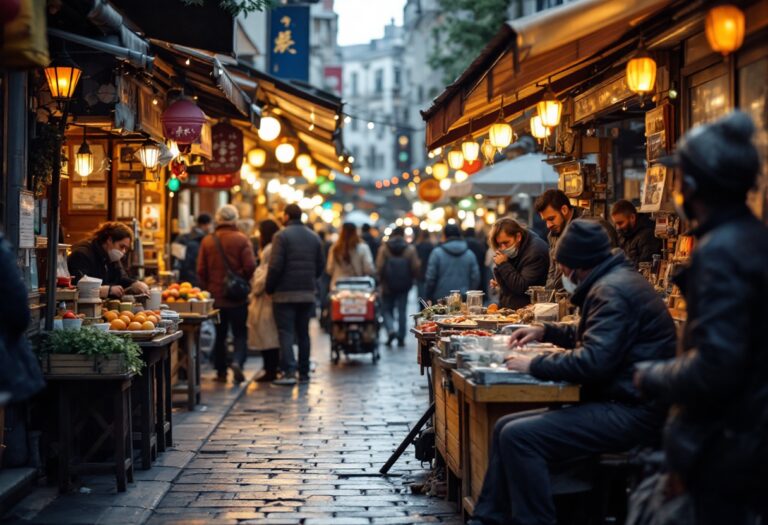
720	156
452	231
227	213
583	244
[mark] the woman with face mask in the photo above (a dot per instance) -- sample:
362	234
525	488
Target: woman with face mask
100	256
521	261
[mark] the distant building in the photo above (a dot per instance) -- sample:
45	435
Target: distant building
373	90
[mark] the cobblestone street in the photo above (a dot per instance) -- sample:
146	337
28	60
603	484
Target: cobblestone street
311	454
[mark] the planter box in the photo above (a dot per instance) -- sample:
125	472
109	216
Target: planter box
182	308
79	364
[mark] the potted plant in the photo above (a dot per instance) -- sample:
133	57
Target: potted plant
89	351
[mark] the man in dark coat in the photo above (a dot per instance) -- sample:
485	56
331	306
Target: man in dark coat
636	233
296	264
424	249
371	240
717	434
555	209
187	266
478	246
623	321
522	261
397	265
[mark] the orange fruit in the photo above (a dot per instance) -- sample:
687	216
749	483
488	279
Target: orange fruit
186	285
110	316
173	293
147	325
139	318
134	326
125	319
128	313
153	319
117	324
170	300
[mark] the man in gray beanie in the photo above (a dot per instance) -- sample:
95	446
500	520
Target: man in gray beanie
623	321
716	440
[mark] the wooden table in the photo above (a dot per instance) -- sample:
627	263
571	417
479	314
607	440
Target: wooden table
153	389
480	407
72	418
189	358
424	341
447	422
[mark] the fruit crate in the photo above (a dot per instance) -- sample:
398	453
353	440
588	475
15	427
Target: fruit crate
80	364
181	307
201	307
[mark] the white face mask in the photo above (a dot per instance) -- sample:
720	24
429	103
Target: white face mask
115	254
568	284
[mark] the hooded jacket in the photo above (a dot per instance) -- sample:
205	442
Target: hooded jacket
452	266
296	264
396	246
623	321
719	384
529	268
640	243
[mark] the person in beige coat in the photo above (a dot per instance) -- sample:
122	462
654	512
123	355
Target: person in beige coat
262	330
349	256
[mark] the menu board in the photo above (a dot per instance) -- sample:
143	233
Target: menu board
26	219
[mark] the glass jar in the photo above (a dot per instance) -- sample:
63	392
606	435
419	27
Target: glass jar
475	302
454	301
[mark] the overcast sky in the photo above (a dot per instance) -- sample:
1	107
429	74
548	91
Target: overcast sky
363	20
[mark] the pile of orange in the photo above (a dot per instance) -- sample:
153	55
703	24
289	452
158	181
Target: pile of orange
144	320
179	293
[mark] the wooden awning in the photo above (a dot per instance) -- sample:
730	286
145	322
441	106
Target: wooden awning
559	44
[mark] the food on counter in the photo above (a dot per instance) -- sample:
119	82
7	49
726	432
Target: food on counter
477	333
459	321
179	293
143	320
436	309
492	308
429	327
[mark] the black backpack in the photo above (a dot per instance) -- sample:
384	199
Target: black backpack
397	275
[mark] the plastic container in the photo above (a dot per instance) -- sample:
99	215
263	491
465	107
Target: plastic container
72	324
475	302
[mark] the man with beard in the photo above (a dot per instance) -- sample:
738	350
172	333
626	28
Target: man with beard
557	212
636	233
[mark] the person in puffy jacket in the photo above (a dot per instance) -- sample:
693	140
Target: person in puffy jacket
397	265
521	261
716	440
451	266
637	236
623	321
349	256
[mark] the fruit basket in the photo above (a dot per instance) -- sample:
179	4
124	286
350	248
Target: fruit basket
138	335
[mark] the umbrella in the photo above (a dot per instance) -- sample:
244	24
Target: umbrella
524	174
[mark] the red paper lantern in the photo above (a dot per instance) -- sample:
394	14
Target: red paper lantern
471	167
9	10
430	191
183	121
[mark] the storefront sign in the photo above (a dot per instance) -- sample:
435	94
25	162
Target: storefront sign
203	146
213	181
289	42
601	97
150	115
26	219
227	149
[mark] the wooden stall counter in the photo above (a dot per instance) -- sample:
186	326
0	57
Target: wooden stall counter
447	424
189	356
480	406
424	341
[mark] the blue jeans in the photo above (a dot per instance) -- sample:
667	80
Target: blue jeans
292	320
392	302
234	317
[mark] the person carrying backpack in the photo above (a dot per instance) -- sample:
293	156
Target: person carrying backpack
451	266
397	265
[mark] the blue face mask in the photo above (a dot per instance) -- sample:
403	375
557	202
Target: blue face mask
568	284
511	252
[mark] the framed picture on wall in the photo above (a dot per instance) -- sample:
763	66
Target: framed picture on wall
654	189
125	202
101	163
87	199
127	158
658	123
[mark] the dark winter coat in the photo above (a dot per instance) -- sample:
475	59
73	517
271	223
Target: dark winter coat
554	274
720	383
89	258
424	249
452	266
20	374
187	267
640	243
397	247
623	321
529	268
373	244
296	264
211	268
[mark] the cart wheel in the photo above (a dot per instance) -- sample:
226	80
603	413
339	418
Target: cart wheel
376	355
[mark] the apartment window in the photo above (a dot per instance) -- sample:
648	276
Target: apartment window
353	84
398	80
378	81
372	158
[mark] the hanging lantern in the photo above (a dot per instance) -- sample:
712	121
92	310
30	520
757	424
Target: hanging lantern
445	184
62	81
149	154
489	151
641	71
269	129
724	28
550	109
460	176
174	184
538	129
303	160
440	170
310	173
183	121
257	157
500	134
470	149
285	152
84	159
455	159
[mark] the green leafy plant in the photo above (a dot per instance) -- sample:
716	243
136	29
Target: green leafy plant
91	342
42	150
236	7
468	25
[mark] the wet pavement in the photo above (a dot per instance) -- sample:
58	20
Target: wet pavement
311	454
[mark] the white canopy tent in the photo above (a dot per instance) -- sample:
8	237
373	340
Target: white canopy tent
524	174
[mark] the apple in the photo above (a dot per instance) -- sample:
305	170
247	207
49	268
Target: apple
69	314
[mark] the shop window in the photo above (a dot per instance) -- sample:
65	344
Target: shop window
753	100
709	96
